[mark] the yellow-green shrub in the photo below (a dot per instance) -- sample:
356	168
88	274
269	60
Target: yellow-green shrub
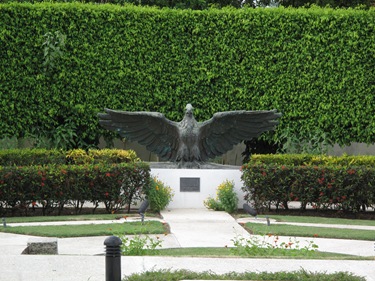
114	155
226	198
159	195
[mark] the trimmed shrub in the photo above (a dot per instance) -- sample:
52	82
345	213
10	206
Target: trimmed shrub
310	159
113	155
25	157
52	187
345	188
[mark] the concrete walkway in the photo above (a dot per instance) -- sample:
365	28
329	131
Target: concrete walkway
82	258
202	228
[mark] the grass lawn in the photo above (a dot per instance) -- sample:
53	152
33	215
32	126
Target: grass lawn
156	227
151	227
302	275
322	220
309	231
73	217
261	253
132	228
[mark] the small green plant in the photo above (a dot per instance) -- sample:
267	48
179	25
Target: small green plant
9	143
213	204
53	49
139	245
313	142
62	137
226	198
159	195
268	244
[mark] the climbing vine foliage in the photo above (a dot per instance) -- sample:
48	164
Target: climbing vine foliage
314	65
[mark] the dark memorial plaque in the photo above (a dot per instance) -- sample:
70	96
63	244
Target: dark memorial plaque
190	184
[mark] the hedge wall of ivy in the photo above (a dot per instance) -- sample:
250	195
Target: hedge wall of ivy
205	4
314	65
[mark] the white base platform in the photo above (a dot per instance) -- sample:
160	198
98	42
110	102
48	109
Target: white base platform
210	179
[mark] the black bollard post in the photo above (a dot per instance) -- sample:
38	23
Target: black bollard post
113	258
4	222
249	210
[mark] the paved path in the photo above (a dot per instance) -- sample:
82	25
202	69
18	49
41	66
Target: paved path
82	258
202	228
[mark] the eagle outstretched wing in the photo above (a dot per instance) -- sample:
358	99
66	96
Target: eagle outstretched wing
226	129
152	129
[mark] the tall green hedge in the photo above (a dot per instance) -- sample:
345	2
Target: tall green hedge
205	4
314	65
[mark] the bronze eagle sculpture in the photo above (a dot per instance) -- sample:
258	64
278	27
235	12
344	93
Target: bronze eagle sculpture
189	143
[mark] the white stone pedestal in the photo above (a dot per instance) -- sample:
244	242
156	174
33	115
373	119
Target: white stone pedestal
209	180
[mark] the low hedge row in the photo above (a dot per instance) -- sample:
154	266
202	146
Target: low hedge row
322	187
311	159
25	157
52	187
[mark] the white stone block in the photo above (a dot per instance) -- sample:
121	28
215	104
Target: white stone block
210	179
42	246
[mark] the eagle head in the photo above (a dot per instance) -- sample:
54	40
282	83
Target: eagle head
189	110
